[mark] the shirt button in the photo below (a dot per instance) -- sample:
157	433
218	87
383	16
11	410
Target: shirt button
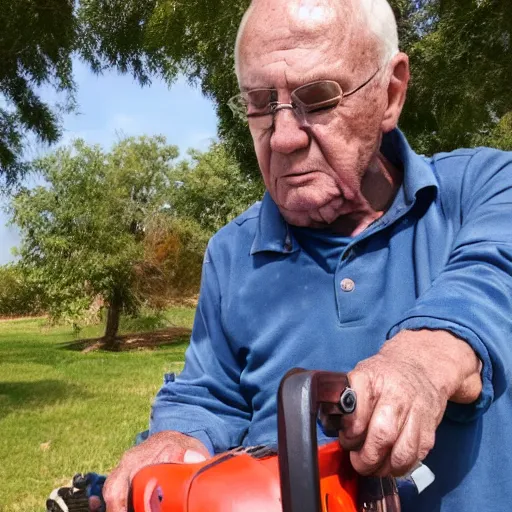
347	285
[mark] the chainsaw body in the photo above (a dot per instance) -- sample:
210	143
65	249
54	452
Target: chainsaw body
299	477
240	480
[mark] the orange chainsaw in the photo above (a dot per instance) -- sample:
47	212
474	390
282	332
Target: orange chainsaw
297	477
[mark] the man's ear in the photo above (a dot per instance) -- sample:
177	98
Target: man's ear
397	90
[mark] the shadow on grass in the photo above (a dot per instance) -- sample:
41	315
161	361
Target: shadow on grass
135	341
35	394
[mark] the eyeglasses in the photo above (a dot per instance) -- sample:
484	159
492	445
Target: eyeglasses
259	105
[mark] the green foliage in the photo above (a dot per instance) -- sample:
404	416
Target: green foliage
213	189
461	68
459	49
36	43
38	39
17	295
209	191
82	231
501	135
130	224
146	320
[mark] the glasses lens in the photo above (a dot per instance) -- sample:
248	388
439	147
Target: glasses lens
259	101
318	95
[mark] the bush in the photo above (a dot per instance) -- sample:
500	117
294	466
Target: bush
18	296
173	258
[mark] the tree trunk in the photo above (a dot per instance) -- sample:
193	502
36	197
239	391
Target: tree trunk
113	316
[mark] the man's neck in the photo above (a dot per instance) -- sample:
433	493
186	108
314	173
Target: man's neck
379	187
381	183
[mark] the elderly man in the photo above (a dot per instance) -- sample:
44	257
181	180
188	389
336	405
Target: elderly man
362	257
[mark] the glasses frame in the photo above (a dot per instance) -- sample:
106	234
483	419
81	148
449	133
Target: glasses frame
299	108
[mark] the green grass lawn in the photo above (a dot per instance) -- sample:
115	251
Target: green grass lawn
63	411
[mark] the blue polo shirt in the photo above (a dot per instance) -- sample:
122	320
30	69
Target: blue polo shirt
274	297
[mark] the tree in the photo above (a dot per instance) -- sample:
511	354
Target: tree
501	134
173	259
36	43
460	57
209	190
461	63
38	39
212	188
129	226
82	233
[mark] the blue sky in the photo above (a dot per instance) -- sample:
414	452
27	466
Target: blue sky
111	106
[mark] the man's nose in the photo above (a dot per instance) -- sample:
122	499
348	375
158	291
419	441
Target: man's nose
289	134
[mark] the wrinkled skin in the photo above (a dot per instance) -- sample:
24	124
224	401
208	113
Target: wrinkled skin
330	174
402	396
159	448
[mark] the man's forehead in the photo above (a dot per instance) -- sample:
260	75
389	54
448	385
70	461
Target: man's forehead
292	70
272	25
301	33
298	15
311	12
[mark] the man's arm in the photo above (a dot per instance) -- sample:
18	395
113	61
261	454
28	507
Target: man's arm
205	400
451	353
199	412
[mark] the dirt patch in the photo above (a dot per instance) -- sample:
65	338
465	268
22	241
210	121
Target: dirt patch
8	318
188	302
135	341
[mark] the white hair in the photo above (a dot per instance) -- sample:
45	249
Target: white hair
380	20
376	15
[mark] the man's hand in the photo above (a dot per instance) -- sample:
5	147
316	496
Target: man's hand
159	448
402	394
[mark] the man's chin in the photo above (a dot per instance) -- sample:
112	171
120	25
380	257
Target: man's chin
299	219
303	201
305	217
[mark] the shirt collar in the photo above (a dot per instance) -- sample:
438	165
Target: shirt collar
418	174
273	233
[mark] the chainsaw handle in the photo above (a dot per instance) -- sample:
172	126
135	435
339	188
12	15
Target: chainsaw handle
301	393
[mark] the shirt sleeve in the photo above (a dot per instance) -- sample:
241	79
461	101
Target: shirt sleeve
205	401
472	297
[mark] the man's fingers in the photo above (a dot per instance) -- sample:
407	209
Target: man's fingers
162	447
193	457
354	426
164	454
117	485
412	446
405	453
115	491
383	431
95	504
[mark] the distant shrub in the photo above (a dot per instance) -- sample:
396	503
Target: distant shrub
145	320
173	257
18	296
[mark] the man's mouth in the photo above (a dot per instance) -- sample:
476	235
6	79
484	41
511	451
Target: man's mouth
299	178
